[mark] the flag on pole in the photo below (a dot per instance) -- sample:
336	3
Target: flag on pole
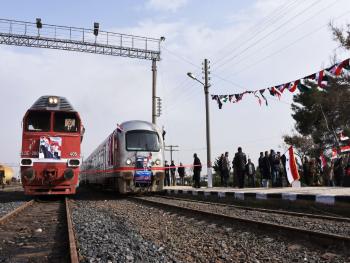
323	161
291	166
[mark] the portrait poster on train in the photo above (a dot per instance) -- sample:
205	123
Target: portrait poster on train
50	147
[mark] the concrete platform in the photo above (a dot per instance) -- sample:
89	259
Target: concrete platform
322	195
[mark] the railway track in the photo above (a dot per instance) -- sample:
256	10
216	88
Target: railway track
322	230
272	211
38	231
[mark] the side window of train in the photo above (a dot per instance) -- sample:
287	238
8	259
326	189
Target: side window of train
66	122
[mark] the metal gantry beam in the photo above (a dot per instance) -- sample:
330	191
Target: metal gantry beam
28	34
20	33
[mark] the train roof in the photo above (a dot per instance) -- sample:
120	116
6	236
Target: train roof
51	102
138	125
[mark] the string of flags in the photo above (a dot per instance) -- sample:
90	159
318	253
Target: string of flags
320	78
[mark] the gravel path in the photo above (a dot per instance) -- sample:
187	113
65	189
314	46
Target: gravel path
314	224
125	231
7	207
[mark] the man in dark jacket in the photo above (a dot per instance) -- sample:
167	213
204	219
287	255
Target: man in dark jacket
197	168
275	167
167	174
266	167
181	171
172	172
240	161
261	164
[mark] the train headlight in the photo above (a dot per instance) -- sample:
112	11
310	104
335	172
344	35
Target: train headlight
53	101
26	162
157	162
73	162
128	161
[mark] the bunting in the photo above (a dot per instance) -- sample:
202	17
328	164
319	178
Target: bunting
320	78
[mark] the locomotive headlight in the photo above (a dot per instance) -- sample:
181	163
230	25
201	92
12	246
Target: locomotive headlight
157	162
73	162
128	161
53	101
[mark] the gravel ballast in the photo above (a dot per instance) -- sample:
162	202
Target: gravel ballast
104	236
7	207
314	224
125	231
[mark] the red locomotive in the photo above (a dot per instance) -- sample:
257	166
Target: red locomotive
50	156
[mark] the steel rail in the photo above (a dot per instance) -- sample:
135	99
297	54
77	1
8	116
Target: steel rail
321	238
72	244
16	211
282	212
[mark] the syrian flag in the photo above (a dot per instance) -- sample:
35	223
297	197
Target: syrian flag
345	149
262	95
293	86
323	161
291	166
321	79
274	91
343	137
341	66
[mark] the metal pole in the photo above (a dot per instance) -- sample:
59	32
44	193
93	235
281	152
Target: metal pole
206	92
171	153
154	86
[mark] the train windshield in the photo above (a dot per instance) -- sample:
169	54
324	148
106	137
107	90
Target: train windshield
142	141
38	121
65	122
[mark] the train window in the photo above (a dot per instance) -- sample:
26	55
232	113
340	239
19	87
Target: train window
140	140
38	121
65	122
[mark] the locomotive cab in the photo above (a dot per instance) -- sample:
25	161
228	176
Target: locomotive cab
50	156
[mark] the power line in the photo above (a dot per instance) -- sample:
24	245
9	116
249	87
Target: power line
259	25
264	37
285	47
285	33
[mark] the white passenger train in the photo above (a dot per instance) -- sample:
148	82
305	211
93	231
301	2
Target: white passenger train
131	159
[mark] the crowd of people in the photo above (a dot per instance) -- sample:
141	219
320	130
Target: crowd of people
270	171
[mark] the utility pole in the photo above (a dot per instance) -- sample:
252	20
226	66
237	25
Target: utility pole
206	86
171	150
206	91
154	90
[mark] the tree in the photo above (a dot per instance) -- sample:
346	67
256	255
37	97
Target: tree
321	113
303	145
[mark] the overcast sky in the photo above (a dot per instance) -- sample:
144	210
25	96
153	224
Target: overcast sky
251	45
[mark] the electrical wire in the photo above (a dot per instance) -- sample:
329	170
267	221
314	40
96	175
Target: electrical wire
285	33
287	46
261	24
228	60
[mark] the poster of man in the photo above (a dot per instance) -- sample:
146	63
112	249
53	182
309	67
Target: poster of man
50	147
69	125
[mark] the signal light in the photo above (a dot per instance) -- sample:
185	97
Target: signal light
38	23
96	28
